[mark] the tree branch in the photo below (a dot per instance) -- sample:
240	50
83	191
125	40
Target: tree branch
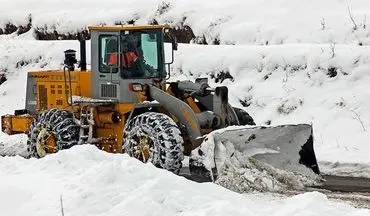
351	17
323	24
364	24
358	118
61	205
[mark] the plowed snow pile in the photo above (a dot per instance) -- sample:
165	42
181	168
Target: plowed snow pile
92	182
249	175
236	159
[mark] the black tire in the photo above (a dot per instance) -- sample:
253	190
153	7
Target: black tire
243	117
60	124
165	140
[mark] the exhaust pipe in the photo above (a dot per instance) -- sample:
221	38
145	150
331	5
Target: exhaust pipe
82	54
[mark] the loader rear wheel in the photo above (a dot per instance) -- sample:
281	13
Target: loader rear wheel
51	131
243	117
155	137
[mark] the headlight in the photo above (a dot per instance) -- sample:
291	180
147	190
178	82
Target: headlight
135	87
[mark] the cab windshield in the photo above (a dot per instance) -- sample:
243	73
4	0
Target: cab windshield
136	54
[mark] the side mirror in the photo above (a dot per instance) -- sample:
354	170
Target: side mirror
172	37
174	47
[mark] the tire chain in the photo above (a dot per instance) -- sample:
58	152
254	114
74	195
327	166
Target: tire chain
167	139
60	123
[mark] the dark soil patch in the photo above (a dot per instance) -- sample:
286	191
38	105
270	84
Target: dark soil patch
222	76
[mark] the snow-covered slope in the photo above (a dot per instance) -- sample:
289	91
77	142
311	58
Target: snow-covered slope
230	22
92	182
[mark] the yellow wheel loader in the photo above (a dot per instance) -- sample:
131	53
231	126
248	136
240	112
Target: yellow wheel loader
125	104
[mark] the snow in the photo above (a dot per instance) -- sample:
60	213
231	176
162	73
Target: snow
345	169
93	182
231	22
13	145
79	99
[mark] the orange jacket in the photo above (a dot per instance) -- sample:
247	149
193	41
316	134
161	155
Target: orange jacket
127	59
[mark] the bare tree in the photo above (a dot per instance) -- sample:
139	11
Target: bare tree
323	24
351	17
364	24
359	119
61	205
332	48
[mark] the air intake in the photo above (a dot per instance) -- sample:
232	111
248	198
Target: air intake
108	90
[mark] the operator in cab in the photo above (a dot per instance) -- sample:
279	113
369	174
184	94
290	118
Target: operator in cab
133	63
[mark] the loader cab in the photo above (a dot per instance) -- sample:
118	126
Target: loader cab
124	54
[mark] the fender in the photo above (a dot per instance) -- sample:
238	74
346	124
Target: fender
181	110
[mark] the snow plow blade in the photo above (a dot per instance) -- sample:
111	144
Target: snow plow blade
284	147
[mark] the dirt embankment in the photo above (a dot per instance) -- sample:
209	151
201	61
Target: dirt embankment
184	33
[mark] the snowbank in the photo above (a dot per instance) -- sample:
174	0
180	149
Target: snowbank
230	22
345	169
92	182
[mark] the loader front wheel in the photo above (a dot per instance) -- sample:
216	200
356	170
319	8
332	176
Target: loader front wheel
51	131
155	138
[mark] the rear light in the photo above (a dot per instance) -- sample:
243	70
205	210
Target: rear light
135	87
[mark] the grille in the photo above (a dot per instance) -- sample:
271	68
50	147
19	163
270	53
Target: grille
59	102
108	90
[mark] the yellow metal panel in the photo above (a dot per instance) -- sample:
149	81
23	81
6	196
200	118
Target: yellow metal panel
11	124
127	27
58	75
104	132
111	134
53	87
85	84
123	109
193	105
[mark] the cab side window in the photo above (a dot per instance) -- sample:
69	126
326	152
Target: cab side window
108	53
150	49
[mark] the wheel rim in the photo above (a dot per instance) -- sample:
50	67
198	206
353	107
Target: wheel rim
143	150
45	143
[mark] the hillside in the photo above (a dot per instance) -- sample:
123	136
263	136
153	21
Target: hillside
264	22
